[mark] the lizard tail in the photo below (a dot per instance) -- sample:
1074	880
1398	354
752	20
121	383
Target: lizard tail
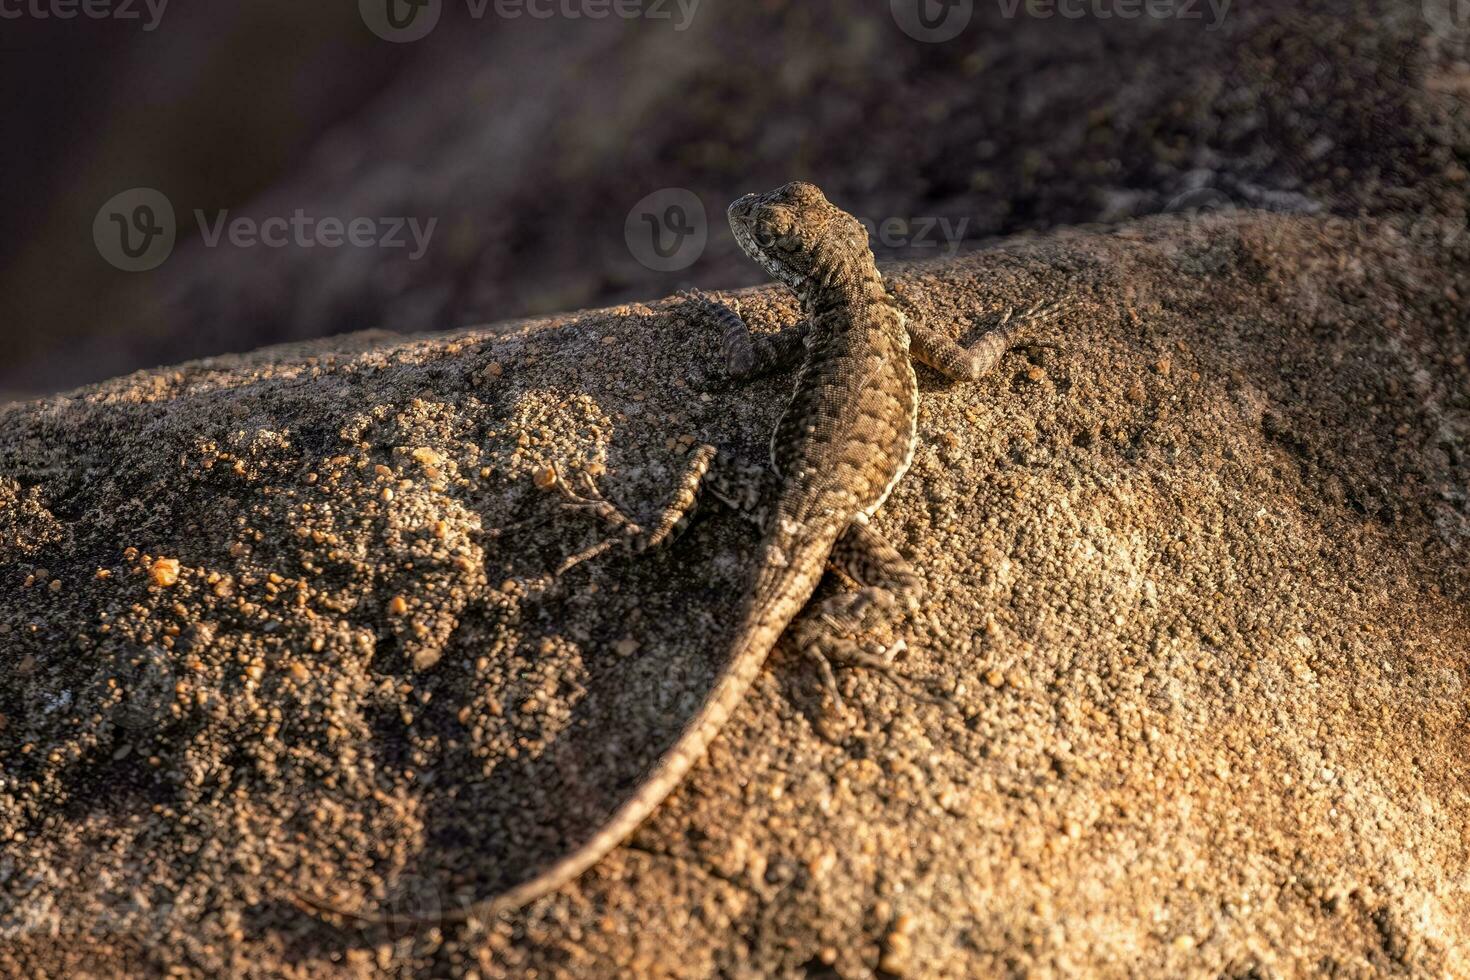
785	582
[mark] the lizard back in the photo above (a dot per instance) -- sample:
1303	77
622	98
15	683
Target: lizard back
843	441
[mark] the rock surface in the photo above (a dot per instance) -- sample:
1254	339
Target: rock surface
1198	601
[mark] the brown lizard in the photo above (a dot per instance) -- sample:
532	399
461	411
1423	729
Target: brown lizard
844	441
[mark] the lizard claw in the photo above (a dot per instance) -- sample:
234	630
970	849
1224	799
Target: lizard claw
591	499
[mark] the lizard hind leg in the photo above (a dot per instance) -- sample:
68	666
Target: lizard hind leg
666	526
843	629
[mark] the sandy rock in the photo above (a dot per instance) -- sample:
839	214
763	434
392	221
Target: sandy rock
1205	651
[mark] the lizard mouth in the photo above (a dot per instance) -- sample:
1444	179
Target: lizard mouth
740	224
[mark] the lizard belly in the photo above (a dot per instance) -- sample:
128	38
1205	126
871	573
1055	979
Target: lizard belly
912	439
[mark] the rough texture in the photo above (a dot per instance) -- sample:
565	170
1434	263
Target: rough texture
1019	124
1197	585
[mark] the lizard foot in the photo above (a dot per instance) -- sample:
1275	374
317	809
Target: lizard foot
840	631
838	653
666	526
591	500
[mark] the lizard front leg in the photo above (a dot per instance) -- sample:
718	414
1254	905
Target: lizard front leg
938	351
749	354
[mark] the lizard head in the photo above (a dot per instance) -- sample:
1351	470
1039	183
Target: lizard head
798	236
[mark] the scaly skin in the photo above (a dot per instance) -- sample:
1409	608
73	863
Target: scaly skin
844	441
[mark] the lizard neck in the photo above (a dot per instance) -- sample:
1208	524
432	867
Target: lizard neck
843	286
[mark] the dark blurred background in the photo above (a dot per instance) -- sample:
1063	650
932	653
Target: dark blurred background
533	143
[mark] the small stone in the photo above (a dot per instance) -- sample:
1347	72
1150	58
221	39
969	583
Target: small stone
1136	393
995	678
822	865
398	606
1163	365
896	954
545	477
164	572
626	647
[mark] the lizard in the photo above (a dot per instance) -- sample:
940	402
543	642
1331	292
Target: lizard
845	439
